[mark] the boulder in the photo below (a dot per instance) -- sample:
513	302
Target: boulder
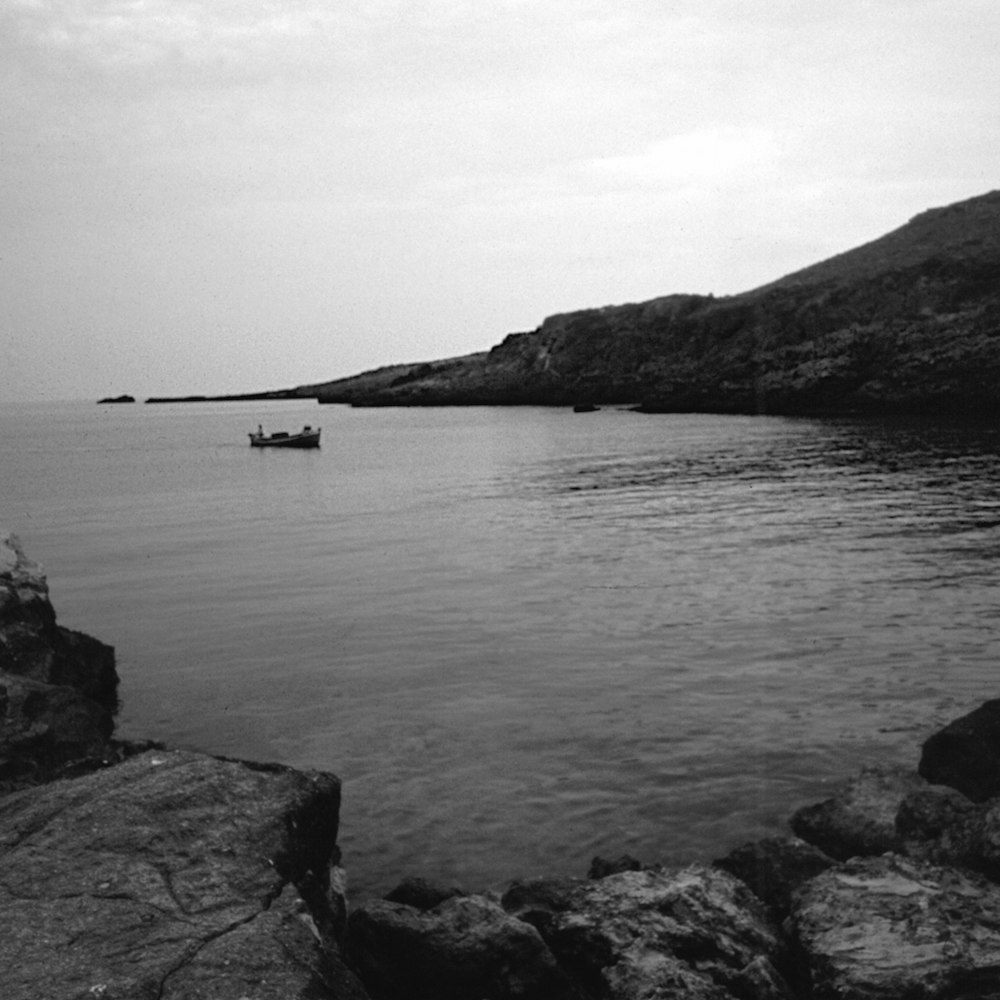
891	927
58	688
774	868
539	901
941	825
686	933
172	875
422	893
33	645
466	947
929	814
860	819
45	724
965	755
602	867
692	934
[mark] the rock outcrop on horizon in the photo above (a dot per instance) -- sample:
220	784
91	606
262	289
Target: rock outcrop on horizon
907	323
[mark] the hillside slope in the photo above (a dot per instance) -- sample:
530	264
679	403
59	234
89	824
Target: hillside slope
907	323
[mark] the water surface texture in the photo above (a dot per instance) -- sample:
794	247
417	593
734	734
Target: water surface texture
523	637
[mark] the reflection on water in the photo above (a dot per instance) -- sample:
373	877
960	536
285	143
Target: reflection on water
524	637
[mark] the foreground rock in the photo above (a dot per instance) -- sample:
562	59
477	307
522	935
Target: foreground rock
694	934
32	644
966	754
58	688
890	927
860	819
467	946
939	825
178	875
891	810
688	932
774	868
172	875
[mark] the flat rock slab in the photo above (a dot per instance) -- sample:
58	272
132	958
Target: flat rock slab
889	928
170	875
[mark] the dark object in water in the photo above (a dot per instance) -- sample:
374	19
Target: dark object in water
306	438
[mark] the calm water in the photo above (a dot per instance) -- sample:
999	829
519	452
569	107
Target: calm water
522	636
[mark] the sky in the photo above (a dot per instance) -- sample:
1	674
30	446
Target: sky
219	196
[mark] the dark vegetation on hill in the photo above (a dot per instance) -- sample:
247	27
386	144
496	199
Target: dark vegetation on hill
908	323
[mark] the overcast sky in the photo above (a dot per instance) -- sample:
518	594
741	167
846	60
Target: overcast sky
213	196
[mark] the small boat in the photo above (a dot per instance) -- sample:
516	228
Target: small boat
306	438
585	407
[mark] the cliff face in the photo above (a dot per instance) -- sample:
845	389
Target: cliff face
909	323
58	688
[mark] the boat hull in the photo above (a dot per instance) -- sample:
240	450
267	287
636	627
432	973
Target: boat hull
310	440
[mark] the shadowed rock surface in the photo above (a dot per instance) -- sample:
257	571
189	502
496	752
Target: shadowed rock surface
422	893
928	814
171	875
602	867
940	825
774	868
693	933
466	946
32	644
966	754
58	688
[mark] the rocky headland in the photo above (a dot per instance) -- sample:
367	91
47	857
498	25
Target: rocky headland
137	871
908	323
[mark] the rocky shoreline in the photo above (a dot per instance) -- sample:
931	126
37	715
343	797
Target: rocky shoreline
131	870
903	325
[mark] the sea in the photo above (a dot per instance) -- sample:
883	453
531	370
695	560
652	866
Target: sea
524	637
